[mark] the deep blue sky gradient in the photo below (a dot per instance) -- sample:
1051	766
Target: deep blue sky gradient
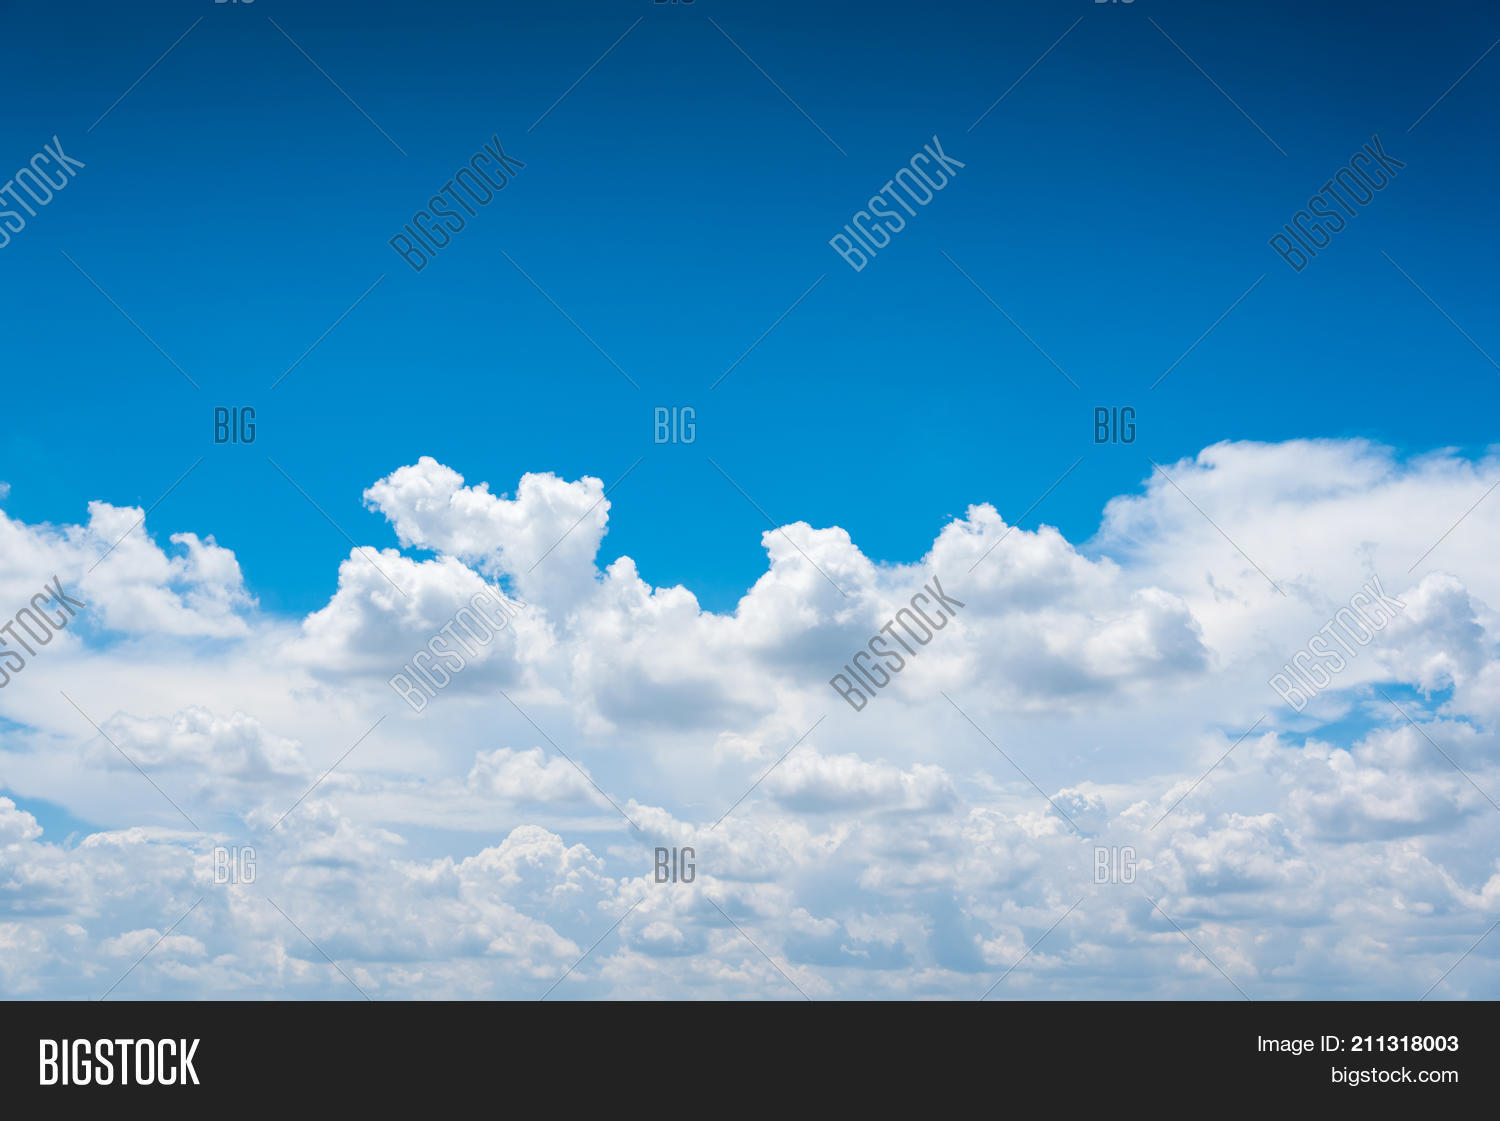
675	204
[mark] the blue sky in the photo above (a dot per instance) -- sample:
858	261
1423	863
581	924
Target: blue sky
675	205
858	433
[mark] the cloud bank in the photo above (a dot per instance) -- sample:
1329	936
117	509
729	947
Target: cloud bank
1096	711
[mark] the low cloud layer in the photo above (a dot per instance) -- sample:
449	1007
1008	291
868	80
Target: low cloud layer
1084	770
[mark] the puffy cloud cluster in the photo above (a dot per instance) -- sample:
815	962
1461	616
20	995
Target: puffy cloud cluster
1085	770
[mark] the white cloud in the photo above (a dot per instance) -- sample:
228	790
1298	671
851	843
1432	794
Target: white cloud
479	847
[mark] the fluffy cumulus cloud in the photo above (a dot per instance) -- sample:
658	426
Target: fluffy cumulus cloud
489	751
